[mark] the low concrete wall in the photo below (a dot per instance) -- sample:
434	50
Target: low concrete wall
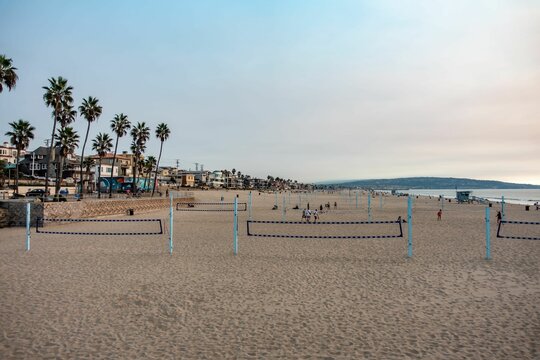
16	209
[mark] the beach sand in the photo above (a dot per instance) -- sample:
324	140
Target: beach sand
91	297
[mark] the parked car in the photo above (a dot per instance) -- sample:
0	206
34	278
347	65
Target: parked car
35	193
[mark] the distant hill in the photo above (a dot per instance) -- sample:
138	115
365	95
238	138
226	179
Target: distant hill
429	183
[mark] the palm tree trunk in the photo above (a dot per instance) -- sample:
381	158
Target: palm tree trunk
17	171
112	170
157	167
82	159
59	173
98	180
49	158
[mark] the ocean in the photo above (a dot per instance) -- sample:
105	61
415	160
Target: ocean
513	196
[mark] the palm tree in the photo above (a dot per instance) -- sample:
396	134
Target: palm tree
162	133
20	135
102	144
66	116
58	95
88	164
8	76
140	134
120	125
91	111
149	167
66	140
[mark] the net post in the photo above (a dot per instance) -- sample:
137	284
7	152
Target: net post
409	226
369	206
249	205
283	210
235	227
502	208
28	209
171	225
488	233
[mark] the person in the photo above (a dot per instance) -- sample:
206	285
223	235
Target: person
439	215
499	217
320	207
167	193
335	204
308	215
315	215
303	215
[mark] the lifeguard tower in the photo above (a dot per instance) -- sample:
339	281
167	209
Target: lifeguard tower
463	196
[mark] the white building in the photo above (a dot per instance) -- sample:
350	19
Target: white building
215	179
8	153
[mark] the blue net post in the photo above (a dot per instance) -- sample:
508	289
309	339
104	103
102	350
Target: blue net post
235	227
409	227
357	199
488	239
249	205
171	225
28	209
369	206
502	208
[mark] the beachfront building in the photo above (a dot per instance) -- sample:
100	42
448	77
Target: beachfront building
34	163
123	165
216	179
8	153
187	180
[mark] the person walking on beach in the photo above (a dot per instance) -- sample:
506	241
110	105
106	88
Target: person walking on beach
315	215
308	215
499	217
439	215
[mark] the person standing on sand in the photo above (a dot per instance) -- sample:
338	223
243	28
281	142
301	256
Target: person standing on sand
303	215
315	215
439	215
308	215
499	217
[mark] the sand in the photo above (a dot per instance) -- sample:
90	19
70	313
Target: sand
90	297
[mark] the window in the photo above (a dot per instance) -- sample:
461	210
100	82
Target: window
43	166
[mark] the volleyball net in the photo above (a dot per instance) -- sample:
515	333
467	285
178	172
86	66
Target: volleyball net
518	230
326	229
210	206
97	227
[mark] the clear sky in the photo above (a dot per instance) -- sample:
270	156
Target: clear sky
308	90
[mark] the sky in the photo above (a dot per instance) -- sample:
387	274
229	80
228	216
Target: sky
307	90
